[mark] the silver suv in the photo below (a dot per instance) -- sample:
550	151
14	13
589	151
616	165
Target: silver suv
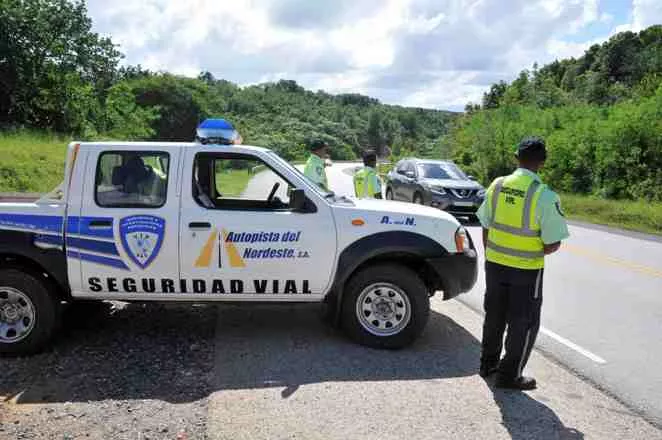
437	183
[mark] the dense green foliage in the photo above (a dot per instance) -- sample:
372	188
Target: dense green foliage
601	115
56	74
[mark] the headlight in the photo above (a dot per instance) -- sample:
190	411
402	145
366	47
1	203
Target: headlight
462	243
438	189
481	193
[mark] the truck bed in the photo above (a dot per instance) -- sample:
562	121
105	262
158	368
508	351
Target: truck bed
19	197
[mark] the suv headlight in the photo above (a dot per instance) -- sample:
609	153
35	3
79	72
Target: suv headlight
437	188
481	193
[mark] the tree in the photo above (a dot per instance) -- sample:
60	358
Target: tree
493	97
47	46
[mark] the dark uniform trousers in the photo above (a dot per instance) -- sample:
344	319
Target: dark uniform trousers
513	298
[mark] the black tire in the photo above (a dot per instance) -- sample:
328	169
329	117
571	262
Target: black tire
418	199
407	282
46	311
389	194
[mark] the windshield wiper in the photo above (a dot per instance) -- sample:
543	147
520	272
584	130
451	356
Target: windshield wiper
330	194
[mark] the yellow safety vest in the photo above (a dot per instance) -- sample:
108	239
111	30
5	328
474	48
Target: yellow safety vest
514	232
364	183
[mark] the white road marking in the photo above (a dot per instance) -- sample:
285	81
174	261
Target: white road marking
558	338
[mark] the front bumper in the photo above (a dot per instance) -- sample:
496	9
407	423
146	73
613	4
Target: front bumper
457	273
455	205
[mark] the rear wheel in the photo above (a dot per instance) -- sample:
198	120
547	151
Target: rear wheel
385	306
418	199
389	194
29	312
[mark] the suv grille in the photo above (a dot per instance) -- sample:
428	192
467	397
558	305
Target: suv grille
463	193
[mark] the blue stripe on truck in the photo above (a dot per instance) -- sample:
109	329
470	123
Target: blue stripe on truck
53	224
104	261
32	223
81	226
104	247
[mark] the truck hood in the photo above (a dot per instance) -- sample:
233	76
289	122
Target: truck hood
453	183
391	207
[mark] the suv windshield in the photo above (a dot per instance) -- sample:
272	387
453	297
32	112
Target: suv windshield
441	170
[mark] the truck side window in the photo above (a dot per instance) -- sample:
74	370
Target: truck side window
130	179
236	181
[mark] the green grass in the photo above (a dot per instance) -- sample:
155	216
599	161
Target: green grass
633	215
232	183
31	162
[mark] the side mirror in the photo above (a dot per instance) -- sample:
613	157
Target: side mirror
410	174
297	199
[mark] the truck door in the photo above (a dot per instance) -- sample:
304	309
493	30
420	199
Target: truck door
127	235
239	238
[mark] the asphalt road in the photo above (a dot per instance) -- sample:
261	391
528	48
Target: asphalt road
602	307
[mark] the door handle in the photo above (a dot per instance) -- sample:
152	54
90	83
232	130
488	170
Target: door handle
199	225
99	224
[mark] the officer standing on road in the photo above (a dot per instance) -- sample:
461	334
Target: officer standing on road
315	166
366	181
522	222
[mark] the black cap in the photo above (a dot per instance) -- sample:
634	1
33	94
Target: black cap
317	144
369	155
532	148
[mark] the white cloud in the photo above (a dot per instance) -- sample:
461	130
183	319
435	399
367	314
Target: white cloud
428	53
646	13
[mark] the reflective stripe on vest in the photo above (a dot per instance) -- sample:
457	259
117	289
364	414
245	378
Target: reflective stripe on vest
512	239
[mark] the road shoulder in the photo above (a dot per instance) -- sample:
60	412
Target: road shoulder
281	373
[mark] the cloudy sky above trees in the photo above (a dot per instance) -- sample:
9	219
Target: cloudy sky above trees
427	53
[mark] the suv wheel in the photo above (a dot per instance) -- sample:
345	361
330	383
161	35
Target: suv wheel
385	306
418	199
29	312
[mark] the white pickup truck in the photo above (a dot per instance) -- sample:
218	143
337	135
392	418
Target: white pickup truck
189	222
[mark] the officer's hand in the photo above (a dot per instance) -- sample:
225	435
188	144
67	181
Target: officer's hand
551	248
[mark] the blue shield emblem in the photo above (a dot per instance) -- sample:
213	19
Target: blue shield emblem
142	237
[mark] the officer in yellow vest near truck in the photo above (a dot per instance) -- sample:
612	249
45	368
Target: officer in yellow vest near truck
522	222
315	165
366	181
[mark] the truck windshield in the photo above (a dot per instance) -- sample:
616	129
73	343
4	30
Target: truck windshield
296	170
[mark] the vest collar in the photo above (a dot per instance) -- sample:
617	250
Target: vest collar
525	172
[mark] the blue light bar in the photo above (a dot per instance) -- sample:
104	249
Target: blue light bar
218	124
216	131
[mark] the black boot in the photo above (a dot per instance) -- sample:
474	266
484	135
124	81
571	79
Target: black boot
522	383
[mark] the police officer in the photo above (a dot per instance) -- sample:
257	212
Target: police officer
366	181
522	222
315	166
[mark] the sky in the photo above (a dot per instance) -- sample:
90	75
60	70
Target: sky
425	53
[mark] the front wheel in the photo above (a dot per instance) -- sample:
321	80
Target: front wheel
418	199
29	312
385	306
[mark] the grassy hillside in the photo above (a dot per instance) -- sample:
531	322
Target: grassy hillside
31	162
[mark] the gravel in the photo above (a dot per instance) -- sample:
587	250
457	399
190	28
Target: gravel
134	372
